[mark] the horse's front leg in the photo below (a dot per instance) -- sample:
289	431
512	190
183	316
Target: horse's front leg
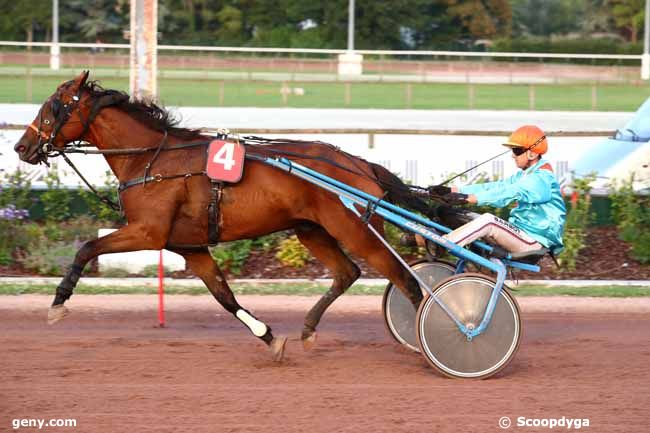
132	237
202	264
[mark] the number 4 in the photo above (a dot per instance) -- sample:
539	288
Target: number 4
224	156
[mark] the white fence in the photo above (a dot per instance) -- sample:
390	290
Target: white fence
382	65
429	53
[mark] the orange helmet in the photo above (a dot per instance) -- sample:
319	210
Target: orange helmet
529	137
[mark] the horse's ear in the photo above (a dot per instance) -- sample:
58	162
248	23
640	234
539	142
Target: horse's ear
81	79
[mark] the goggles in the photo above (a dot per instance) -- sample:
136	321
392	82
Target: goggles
521	150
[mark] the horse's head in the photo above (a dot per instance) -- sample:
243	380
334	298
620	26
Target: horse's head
64	118
59	121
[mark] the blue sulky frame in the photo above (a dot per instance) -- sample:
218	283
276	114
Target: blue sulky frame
410	221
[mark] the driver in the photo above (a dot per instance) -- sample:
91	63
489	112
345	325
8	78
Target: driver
538	216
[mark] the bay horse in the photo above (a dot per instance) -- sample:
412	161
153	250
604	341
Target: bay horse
173	213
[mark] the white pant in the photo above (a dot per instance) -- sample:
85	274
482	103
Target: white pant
496	231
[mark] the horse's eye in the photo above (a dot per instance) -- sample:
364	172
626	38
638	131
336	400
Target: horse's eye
56	107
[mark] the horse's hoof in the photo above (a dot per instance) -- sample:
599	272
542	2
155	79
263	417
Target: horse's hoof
56	313
309	341
277	348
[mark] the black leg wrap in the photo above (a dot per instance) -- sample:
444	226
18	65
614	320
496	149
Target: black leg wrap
67	285
268	337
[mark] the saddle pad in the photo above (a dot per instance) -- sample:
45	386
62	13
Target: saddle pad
225	161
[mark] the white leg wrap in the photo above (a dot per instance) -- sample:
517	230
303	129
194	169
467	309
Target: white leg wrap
257	328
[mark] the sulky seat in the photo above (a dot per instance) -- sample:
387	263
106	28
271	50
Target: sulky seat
530	257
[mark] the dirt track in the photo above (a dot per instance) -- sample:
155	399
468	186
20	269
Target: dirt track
109	367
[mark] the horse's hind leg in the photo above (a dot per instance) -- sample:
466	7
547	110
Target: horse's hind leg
355	236
344	272
202	264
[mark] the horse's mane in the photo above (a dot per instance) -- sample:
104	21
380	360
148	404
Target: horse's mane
144	111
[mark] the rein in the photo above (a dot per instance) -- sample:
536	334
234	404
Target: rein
258	143
78	148
104	199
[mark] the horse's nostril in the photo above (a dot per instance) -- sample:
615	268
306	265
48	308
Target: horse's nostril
20	149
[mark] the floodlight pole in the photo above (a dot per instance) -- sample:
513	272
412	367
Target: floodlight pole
351	25
350	63
144	49
645	58
55	50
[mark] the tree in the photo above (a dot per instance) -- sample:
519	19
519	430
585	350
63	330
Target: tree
549	17
381	24
24	20
231	25
104	19
478	19
597	17
628	16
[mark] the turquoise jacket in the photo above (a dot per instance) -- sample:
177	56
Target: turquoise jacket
540	210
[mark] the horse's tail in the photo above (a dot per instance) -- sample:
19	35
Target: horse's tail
398	193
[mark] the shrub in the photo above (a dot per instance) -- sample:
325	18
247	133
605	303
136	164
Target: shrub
231	256
14	201
51	247
99	210
23	240
567	45
11	223
578	219
394	235
641	246
81	228
267	242
292	253
15	190
49	257
631	213
56	199
151	271
115	273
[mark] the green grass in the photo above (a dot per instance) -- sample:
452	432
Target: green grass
511	97
596	291
302	289
201	91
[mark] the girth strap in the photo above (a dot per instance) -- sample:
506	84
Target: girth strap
216	190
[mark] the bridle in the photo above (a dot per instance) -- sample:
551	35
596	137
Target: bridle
62	113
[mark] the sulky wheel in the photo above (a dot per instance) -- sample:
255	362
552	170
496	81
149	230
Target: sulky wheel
399	313
447	349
